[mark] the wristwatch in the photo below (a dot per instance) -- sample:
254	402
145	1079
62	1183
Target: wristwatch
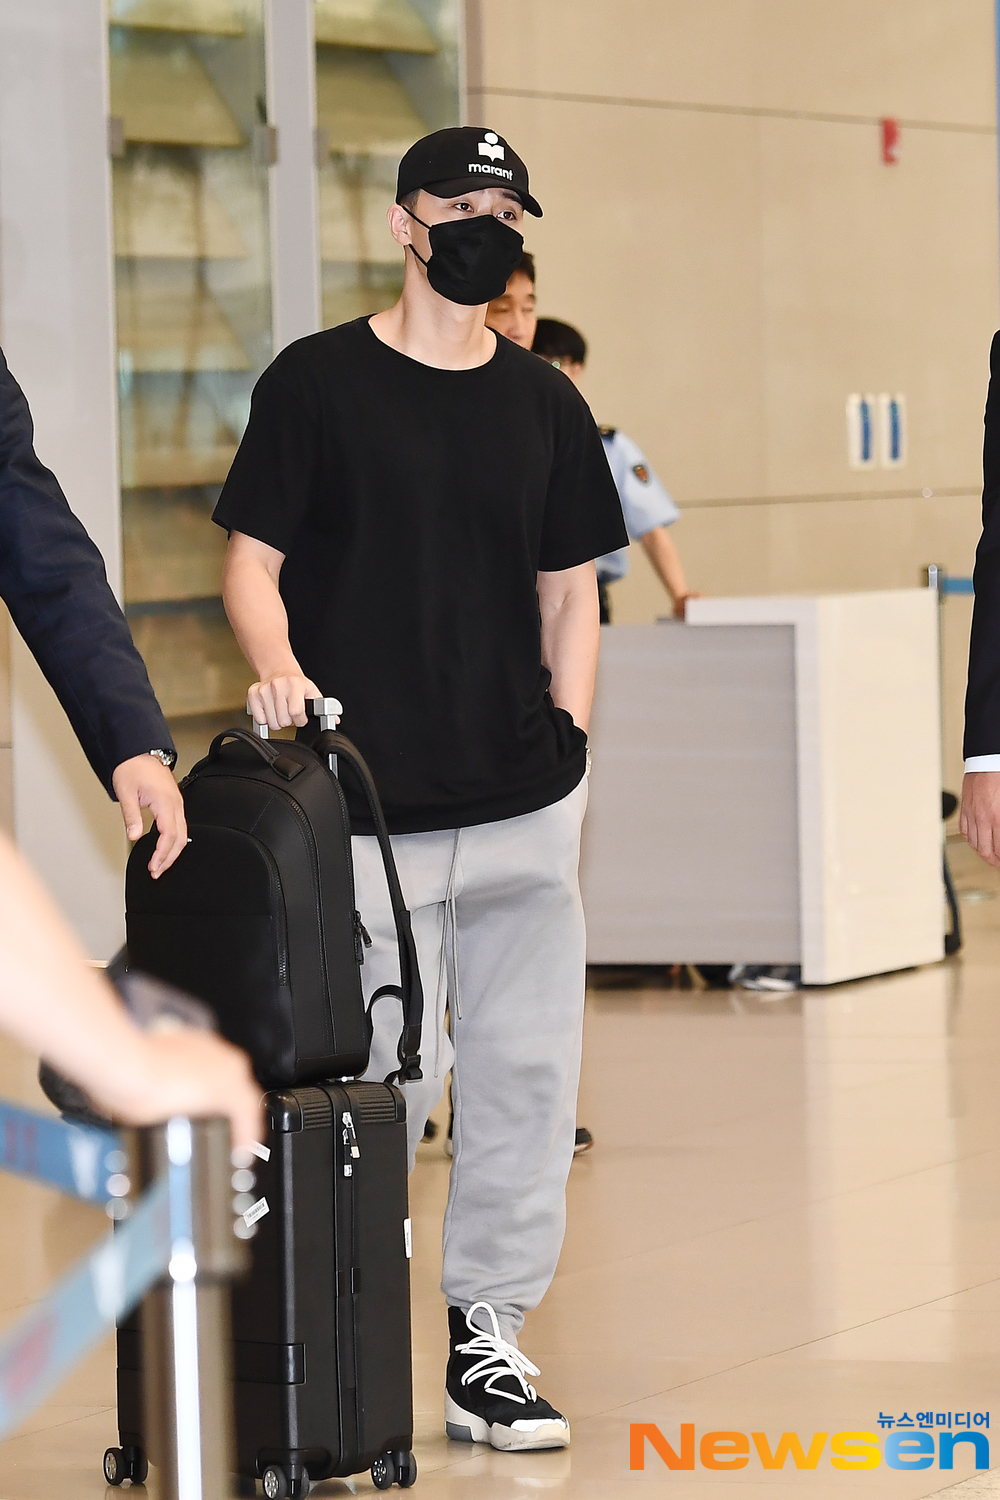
166	758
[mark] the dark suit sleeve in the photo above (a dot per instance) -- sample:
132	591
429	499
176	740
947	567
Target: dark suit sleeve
982	699
52	580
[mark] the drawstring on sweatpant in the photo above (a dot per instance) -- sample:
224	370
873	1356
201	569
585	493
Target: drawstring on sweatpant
449	941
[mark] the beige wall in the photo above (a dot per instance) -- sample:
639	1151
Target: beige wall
720	225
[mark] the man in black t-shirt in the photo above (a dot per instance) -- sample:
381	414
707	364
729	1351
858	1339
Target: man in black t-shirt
413	514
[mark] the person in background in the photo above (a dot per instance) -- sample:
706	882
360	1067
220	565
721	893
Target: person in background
649	510
52	580
55	1004
980	814
513	314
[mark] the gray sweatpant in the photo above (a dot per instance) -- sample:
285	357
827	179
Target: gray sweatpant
498	924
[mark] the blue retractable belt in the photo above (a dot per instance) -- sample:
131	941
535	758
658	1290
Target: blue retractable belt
956	586
48	1340
77	1159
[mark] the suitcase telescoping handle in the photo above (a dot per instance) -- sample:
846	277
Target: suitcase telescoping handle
329	746
326	710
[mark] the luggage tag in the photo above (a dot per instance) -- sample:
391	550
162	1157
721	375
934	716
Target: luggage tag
256	1211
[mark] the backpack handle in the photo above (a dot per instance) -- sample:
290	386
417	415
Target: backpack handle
267	752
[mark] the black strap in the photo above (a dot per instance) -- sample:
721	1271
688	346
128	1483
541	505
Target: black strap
330	743
264	748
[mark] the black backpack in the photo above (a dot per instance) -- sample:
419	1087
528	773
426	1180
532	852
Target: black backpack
258	917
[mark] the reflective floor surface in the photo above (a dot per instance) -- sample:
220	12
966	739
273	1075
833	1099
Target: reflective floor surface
790	1223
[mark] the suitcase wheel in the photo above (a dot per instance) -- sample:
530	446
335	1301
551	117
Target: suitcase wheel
125	1463
281	1486
406	1469
384	1471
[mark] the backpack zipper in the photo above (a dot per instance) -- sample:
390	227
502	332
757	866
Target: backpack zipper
347	838
345	1293
362	938
278	905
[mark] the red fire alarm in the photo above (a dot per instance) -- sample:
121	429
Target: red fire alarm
890	142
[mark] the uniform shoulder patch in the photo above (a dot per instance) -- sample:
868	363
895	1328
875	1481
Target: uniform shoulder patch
641	473
608	432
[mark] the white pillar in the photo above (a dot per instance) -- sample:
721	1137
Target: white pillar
291	108
57	330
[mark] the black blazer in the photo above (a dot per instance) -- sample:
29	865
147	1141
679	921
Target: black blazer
982	698
52	580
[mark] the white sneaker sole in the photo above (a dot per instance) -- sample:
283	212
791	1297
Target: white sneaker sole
465	1427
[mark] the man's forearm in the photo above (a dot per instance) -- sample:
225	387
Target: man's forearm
659	548
571	638
280	696
257	614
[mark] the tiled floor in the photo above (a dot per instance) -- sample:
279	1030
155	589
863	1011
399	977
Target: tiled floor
790	1223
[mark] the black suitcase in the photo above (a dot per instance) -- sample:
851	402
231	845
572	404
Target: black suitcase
321	1327
258	916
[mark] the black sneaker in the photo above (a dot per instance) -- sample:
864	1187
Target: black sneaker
487	1399
584	1140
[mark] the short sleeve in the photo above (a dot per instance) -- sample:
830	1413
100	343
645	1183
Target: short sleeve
645	502
271	482
583	514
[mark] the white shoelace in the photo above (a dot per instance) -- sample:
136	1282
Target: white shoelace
499	1359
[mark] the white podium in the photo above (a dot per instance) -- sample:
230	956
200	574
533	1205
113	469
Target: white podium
766	787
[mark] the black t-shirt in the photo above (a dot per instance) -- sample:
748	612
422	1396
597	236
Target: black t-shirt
415	507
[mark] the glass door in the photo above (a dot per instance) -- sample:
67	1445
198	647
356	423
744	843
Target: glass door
194	322
386	74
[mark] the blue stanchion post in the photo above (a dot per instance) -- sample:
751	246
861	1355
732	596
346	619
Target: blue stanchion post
938	579
942	582
185	1319
174	1245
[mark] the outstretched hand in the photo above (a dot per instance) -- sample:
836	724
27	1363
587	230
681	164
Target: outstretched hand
144	781
182	1072
680	603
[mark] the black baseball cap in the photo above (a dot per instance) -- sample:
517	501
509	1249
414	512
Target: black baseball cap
463	159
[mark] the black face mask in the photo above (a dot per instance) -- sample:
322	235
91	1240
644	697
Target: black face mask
471	259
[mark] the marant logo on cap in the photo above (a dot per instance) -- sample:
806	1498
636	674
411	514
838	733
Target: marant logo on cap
491	170
488	146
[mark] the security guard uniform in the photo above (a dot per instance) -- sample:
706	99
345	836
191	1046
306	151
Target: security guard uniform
645	504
